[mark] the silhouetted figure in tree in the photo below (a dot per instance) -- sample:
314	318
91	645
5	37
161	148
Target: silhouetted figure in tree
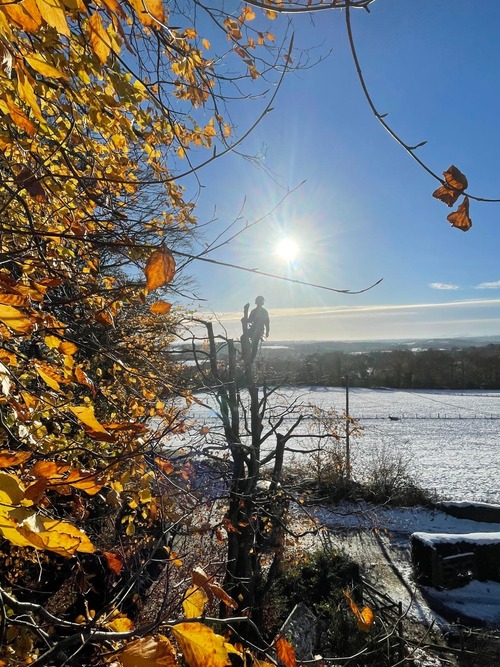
257	326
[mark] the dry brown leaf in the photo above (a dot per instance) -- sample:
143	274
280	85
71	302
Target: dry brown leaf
455	184
160	269
460	218
148	652
26	179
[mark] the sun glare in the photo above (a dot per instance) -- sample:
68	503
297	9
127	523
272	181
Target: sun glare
287	249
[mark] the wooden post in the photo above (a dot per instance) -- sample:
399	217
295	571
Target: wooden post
347	424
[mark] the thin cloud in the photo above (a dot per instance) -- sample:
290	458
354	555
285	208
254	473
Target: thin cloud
493	285
443	286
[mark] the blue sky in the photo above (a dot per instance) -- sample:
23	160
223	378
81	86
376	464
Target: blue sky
365	210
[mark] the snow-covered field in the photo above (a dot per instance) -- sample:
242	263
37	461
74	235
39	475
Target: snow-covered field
449	440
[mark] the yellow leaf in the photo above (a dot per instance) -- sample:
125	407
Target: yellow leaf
247	14
9	530
41	66
9	459
52	341
120	623
86	415
58	536
181	152
149	11
27	94
160	268
200	646
206	44
50	378
99	38
11	492
194	602
14	319
53	14
160	308
148	652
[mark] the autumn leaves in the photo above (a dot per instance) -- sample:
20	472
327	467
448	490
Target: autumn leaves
454	186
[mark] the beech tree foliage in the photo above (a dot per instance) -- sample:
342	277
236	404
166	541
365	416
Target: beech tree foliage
106	106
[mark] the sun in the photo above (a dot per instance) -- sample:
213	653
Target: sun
287	249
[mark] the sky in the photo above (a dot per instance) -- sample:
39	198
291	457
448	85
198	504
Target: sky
358	207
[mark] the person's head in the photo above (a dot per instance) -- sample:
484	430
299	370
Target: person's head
259	301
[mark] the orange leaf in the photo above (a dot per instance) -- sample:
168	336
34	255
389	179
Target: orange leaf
84	379
165	466
49	470
25	14
36	491
222	595
99	38
160	268
19	117
456	182
285	652
113	561
160	308
202	580
67	347
9	459
14	300
364	617
460	218
103	317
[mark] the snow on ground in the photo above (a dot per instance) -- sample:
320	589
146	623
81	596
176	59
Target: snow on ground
378	537
448	440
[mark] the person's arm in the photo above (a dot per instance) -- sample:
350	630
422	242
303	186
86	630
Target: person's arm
267	326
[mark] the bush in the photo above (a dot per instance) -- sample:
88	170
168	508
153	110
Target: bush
318	580
389	481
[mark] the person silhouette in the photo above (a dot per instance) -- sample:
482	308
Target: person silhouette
258	326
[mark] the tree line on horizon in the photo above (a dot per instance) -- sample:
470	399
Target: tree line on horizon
458	368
